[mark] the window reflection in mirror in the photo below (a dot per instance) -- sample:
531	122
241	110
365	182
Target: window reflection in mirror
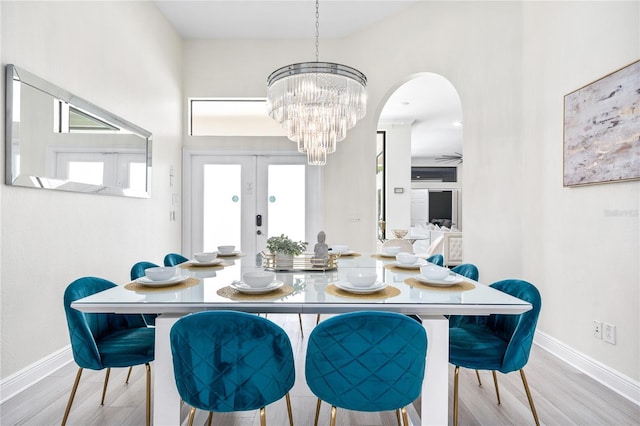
56	140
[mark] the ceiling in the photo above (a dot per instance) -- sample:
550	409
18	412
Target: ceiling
429	102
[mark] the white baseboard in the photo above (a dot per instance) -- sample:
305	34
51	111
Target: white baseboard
614	380
31	374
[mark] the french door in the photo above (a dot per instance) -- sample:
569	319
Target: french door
242	200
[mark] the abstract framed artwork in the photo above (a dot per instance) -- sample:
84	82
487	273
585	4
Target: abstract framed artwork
602	129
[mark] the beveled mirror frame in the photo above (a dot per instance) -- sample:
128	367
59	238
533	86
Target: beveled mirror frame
15	139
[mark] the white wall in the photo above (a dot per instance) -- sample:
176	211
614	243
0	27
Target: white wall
511	63
581	244
125	58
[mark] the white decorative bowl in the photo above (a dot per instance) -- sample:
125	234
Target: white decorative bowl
406	258
258	279
205	257
434	272
160	273
362	278
226	249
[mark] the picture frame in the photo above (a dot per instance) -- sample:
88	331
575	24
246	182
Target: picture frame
601	141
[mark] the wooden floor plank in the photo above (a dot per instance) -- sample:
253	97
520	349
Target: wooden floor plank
562	395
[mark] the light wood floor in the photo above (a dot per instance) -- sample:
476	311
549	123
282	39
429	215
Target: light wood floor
563	396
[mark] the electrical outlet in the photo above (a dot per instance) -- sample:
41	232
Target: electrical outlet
609	333
597	329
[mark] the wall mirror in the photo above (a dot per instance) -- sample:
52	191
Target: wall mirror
56	140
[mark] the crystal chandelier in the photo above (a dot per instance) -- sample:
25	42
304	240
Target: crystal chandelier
317	102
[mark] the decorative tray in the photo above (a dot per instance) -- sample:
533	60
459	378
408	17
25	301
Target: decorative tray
304	262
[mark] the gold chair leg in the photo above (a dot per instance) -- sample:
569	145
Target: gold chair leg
405	417
301	330
289	411
263	417
495	382
317	319
526	389
128	375
210	418
192	415
456	375
398	416
148	367
73	394
315	422
478	376
104	388
333	415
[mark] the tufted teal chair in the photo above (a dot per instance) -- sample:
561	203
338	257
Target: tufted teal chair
173	259
100	341
137	271
501	343
366	361
437	259
468	270
227	361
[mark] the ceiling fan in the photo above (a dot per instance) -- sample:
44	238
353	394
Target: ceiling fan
449	158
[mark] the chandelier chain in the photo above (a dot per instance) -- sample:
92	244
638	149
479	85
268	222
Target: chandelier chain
317	30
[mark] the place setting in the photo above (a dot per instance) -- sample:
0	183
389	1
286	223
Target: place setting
387	253
343	251
208	260
406	262
256	285
434	277
229	251
362	284
160	278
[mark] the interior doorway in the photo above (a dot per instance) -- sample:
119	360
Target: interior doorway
422	125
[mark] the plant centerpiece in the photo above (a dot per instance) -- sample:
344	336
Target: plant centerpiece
285	245
285	249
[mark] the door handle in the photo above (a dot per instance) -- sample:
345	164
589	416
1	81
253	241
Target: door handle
259	220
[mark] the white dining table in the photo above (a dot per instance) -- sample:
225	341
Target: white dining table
310	295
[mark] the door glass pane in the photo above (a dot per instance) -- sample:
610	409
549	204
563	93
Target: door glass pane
222	206
286	200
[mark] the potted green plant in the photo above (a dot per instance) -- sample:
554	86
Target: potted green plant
286	245
284	248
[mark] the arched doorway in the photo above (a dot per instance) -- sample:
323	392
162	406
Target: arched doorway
420	141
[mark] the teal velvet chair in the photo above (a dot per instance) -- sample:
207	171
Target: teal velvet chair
226	361
366	361
437	259
173	259
137	271
104	340
468	270
499	343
